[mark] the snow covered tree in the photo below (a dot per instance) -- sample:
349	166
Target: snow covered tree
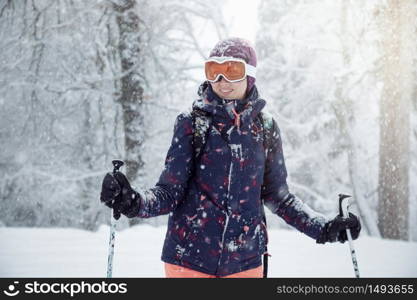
131	87
68	89
345	109
397	71
316	78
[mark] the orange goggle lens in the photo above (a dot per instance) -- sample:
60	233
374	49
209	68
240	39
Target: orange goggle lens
232	70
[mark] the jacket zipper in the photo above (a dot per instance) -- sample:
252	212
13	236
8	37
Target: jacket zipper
223	235
234	149
227	213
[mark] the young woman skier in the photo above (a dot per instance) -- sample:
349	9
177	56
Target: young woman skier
215	200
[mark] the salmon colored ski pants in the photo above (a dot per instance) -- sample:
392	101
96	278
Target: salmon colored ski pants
174	271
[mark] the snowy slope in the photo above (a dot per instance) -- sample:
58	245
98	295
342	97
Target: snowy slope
31	252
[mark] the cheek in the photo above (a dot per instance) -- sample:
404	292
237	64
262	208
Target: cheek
242	86
214	86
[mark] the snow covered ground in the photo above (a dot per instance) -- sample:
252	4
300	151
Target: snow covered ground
34	252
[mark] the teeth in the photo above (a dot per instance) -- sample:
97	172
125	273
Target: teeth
226	91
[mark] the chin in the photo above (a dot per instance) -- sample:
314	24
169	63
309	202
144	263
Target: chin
229	97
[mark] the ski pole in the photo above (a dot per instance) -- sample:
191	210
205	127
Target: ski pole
344	211
115	215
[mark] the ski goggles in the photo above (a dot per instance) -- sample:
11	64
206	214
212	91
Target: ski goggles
232	69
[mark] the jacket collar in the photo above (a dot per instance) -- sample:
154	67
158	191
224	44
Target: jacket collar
212	104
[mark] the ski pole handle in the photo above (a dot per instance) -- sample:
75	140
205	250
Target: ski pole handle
116	166
343	205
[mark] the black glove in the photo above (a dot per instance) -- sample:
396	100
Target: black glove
117	193
335	230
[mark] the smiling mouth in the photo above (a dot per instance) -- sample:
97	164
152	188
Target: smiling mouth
226	91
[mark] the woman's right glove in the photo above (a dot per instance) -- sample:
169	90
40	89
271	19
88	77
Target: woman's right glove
335	230
117	193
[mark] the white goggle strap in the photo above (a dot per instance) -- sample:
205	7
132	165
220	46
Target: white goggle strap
250	70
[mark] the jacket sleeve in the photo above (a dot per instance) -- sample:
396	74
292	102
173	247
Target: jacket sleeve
172	184
276	196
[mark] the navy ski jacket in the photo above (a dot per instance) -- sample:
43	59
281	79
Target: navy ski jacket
215	205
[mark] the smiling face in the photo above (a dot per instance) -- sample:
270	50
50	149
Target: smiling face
230	90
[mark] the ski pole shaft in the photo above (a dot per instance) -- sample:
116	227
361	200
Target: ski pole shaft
344	211
113	221
353	253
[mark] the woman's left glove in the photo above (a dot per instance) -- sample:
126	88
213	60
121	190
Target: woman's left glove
117	193
335	230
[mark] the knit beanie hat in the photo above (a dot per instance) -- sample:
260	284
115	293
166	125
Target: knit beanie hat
237	48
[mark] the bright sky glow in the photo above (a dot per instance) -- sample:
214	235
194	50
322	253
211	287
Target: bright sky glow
242	17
